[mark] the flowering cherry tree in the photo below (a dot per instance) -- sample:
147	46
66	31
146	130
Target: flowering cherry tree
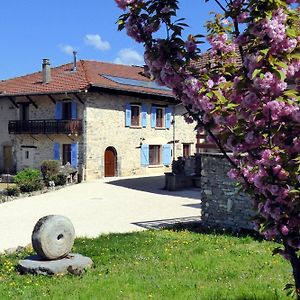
246	96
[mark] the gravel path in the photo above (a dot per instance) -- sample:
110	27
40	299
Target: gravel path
103	206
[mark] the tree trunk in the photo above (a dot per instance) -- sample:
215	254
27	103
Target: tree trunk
295	262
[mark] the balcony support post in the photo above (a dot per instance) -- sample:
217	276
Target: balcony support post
31	101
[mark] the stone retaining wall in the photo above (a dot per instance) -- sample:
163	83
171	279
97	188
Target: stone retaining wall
222	203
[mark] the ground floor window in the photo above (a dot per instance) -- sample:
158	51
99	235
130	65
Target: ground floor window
154	154
186	149
66	157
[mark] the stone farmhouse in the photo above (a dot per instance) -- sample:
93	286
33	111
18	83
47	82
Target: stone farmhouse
102	118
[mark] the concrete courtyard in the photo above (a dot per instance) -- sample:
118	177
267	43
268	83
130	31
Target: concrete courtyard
111	205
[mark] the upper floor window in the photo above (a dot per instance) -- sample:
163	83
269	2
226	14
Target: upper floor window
24	111
135	115
66	110
160	117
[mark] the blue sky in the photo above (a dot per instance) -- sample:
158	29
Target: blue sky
33	29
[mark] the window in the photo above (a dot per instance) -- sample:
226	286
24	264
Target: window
26	154
154	154
135	115
66	110
24	111
160	117
66	158
186	150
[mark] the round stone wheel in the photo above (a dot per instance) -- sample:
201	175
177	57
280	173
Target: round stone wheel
53	237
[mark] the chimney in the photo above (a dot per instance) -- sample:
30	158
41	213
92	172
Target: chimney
46	70
74	61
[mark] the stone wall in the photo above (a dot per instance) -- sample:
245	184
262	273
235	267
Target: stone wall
222	203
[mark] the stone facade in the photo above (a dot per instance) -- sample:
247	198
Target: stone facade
103	116
105	127
7	112
223	205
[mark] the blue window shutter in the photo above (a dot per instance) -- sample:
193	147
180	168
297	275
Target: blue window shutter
166	154
153	116
144	115
74	155
74	110
144	155
58	111
56	150
128	115
168	117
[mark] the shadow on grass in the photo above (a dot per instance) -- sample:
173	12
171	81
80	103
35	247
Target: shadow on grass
154	184
198	227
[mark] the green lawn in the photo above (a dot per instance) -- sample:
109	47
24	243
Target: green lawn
160	265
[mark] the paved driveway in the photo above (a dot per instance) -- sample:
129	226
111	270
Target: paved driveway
103	206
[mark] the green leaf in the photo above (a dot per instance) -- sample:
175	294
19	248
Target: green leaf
281	75
255	73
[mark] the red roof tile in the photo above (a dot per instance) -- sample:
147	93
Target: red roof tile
88	74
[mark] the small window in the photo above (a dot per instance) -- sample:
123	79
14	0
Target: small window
186	150
154	155
26	154
135	115
66	154
66	110
160	122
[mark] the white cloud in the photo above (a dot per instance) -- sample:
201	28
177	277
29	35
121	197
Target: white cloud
67	49
96	41
129	56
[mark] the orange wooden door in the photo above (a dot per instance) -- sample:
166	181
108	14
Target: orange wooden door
110	164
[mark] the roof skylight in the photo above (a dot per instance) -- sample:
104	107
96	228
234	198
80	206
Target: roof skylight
135	82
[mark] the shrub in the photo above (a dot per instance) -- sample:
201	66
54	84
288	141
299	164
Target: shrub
60	179
29	180
49	168
13	190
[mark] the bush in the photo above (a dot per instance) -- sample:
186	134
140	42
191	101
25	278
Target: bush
13	191
29	180
60	179
49	169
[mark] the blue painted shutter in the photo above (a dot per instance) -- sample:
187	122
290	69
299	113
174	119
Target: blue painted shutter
74	111
166	154
153	116
144	155
144	115
167	117
128	115
58	111
56	151
74	155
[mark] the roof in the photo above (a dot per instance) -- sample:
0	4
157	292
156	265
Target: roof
88	74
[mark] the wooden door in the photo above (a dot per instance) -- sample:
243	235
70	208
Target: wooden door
7	159
110	162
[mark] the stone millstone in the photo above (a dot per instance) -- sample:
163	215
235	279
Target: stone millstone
53	237
74	264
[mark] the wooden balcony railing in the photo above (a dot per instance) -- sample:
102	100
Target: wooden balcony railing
45	127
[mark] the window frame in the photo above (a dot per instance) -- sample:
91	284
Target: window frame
138	123
189	150
160	122
155	159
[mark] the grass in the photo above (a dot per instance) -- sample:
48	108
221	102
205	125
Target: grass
160	265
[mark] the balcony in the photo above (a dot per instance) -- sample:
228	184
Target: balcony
45	127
